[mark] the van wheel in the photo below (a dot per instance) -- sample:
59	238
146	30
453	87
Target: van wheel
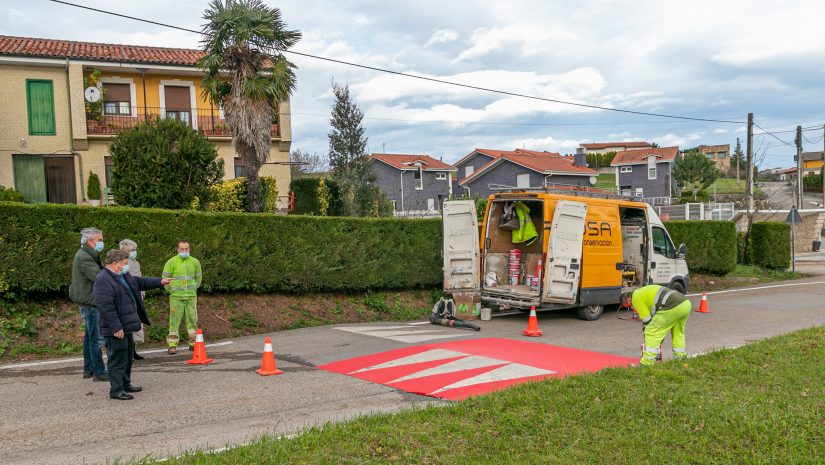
678	287
590	312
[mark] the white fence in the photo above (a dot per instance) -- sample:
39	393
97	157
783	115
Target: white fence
697	211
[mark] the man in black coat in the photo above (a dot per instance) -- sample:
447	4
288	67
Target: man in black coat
117	297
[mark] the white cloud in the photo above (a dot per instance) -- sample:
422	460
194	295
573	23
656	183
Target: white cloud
549	143
442	36
531	40
720	131
362	20
674	140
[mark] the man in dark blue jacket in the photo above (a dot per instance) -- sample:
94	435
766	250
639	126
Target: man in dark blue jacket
117	297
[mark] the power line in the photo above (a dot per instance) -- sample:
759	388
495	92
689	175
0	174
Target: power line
806	128
773	135
424	78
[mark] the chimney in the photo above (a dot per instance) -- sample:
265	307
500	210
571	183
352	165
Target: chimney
580	159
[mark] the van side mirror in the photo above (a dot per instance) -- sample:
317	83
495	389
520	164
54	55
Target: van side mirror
682	250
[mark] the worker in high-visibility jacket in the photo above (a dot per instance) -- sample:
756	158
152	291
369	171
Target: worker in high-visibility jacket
662	311
185	272
526	232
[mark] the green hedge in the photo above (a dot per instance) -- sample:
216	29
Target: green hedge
770	245
306	196
238	251
711	245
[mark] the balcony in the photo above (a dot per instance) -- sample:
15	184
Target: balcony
206	121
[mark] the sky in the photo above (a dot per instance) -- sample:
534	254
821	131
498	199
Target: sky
703	59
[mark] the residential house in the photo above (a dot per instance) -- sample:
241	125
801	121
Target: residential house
51	140
718	154
415	184
606	147
646	172
811	163
496	169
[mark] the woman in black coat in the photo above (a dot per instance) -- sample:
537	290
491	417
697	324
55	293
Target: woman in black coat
120	303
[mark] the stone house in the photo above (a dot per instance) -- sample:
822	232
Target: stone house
645	172
415	184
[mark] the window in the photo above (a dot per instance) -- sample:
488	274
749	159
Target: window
651	173
662	244
430	204
109	164
419	179
393	204
240	167
468	170
626	169
640	192
651	167
523	180
178	115
117	99
40	102
441	176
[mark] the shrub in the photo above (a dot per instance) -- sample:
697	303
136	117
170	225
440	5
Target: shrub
93	187
231	196
770	245
163	163
310	196
7	194
238	251
711	245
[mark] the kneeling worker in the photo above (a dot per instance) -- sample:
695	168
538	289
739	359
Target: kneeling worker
661	310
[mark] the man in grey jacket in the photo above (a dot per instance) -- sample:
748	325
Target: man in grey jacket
85	267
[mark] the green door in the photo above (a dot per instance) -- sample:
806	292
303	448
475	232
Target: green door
40	96
30	177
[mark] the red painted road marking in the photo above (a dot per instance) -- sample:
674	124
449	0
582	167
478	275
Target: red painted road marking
459	369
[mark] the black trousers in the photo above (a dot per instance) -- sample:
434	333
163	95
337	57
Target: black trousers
120	352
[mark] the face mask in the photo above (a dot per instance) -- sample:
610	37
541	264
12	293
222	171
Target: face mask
133	255
99	246
184	254
125	269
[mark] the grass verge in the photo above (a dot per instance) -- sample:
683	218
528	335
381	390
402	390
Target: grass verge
606	181
761	403
743	275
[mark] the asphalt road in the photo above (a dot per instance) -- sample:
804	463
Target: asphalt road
50	415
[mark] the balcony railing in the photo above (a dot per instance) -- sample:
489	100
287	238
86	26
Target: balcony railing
206	121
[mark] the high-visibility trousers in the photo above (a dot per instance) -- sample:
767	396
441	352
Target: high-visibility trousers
671	321
182	309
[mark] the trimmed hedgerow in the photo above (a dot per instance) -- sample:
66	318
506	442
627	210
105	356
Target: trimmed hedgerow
770	245
711	245
238	251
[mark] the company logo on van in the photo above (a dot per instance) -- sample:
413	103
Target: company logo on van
600	229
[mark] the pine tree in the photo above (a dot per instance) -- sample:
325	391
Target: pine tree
738	158
348	158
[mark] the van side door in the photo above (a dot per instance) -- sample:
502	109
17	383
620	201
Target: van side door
564	255
460	246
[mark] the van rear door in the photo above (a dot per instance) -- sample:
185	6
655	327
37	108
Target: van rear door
461	246
563	270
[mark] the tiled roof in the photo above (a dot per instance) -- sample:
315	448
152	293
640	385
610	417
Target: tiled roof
633	157
50	48
404	161
812	156
542	162
605	145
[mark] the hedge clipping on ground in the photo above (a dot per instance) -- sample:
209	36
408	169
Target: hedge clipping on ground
770	245
239	252
711	245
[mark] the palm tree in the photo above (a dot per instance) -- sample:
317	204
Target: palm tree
247	74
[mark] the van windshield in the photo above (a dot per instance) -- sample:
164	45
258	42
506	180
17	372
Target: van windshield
662	244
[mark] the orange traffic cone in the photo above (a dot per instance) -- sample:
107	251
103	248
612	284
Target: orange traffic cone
268	361
199	355
703	306
532	325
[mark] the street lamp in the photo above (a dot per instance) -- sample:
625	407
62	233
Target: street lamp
793	218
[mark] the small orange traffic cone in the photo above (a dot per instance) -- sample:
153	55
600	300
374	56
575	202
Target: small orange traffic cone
532	325
199	355
703	306
268	360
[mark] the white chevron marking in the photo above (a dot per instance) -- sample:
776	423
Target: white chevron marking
466	363
428	356
512	371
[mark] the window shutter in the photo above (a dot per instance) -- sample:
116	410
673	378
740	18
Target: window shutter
40	97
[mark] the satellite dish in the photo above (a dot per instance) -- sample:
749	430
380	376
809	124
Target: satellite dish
92	94
592	180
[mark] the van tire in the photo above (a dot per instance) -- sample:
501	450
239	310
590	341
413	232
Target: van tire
678	287
590	312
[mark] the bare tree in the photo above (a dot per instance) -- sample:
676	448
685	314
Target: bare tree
306	162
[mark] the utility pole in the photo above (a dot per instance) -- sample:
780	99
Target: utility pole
799	174
749	166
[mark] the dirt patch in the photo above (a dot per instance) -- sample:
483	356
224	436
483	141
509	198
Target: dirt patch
31	330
